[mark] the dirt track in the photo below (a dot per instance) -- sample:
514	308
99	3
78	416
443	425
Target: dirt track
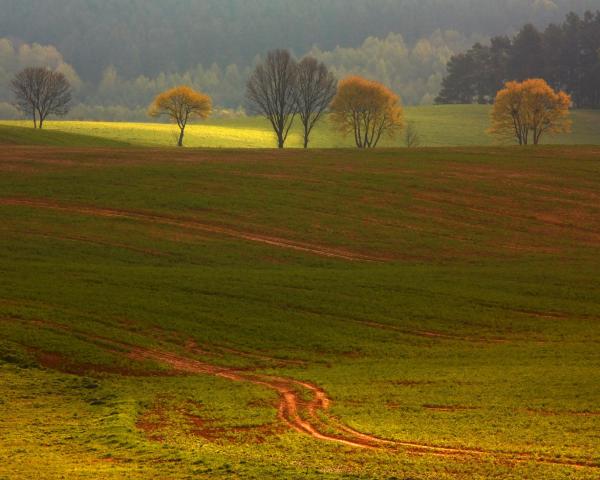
309	417
191	224
291	408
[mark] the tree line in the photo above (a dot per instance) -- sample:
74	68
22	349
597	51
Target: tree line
282	89
566	56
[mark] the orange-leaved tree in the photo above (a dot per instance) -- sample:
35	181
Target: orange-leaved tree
367	110
525	111
181	104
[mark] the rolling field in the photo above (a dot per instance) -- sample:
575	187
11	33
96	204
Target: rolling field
24	135
331	314
442	125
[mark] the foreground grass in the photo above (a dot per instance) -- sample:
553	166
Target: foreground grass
475	327
444	125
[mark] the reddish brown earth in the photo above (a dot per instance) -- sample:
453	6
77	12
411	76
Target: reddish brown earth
459	207
319	250
57	361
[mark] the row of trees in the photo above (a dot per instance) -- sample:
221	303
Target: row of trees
366	110
282	89
567	56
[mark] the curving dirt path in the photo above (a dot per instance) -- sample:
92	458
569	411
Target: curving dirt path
304	406
299	414
310	417
191	224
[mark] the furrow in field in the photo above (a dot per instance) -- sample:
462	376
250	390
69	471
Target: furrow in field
313	249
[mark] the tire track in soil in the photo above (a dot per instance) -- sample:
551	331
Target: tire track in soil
313	249
292	407
308	417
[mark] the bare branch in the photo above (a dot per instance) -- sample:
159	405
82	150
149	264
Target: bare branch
316	87
40	92
270	91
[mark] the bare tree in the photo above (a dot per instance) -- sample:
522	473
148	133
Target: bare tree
40	92
315	88
412	138
271	90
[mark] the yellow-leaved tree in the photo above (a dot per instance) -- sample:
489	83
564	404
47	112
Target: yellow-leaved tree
524	111
181	104
367	110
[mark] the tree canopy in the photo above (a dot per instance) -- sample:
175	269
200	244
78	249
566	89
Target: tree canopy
527	110
366	110
181	104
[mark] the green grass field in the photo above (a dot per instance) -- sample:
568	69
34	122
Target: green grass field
21	134
333	314
444	125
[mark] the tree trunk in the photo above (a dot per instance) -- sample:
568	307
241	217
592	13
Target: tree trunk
41	118
34	120
180	141
280	141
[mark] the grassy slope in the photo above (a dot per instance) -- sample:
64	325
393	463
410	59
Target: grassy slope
455	125
490	286
21	135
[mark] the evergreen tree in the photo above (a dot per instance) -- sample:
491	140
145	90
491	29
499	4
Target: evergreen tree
566	56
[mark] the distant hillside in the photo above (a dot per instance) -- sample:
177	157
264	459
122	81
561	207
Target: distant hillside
153	36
